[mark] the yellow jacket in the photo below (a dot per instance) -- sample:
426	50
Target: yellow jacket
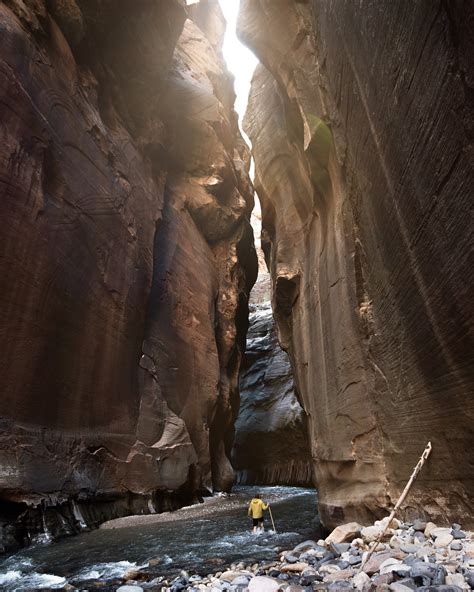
256	508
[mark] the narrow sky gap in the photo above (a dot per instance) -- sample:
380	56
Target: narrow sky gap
242	63
240	60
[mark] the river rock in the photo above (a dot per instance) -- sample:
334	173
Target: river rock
426	574
264	584
344	533
241	581
290	557
360	580
409	548
343	574
429	528
405	585
469	549
229	575
443	540
294	567
456	546
130	589
371	533
419	525
373	564
458	534
456	580
306	545
440	588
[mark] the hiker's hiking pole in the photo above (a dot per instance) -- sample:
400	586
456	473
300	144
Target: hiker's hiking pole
271	516
401	499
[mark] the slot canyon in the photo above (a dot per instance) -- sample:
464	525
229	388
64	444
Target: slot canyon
191	304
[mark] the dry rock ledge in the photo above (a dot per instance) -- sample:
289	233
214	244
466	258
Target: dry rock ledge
415	555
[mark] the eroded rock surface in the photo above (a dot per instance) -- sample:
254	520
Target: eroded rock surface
361	120
127	255
271	444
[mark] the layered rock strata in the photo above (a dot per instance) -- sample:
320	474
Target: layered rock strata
361	119
126	262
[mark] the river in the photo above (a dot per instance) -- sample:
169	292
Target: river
195	538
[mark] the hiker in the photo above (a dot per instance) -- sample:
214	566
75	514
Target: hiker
256	508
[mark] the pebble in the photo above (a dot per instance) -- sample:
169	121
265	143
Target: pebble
441	588
388	565
443	540
263	584
360	580
458	533
409	548
305	546
419	536
405	585
430	526
419	525
455	580
240	581
344	533
337	576
130	589
456	546
294	567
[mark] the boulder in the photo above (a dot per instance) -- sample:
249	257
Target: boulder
344	533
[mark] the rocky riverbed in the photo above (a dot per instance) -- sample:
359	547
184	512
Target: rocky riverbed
411	556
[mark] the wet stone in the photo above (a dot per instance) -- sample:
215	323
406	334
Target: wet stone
442	588
410	548
305	546
403	585
274	573
443	540
455	580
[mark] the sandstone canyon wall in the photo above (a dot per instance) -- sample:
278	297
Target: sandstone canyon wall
362	124
126	261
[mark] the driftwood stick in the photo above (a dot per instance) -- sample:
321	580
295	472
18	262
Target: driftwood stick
400	501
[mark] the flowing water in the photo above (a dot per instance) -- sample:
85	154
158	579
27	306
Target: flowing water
194	538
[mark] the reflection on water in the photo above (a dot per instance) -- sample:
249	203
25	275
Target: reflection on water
192	541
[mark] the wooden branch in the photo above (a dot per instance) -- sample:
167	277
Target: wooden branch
400	501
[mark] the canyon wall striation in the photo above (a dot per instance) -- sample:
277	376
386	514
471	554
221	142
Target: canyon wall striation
126	262
361	118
